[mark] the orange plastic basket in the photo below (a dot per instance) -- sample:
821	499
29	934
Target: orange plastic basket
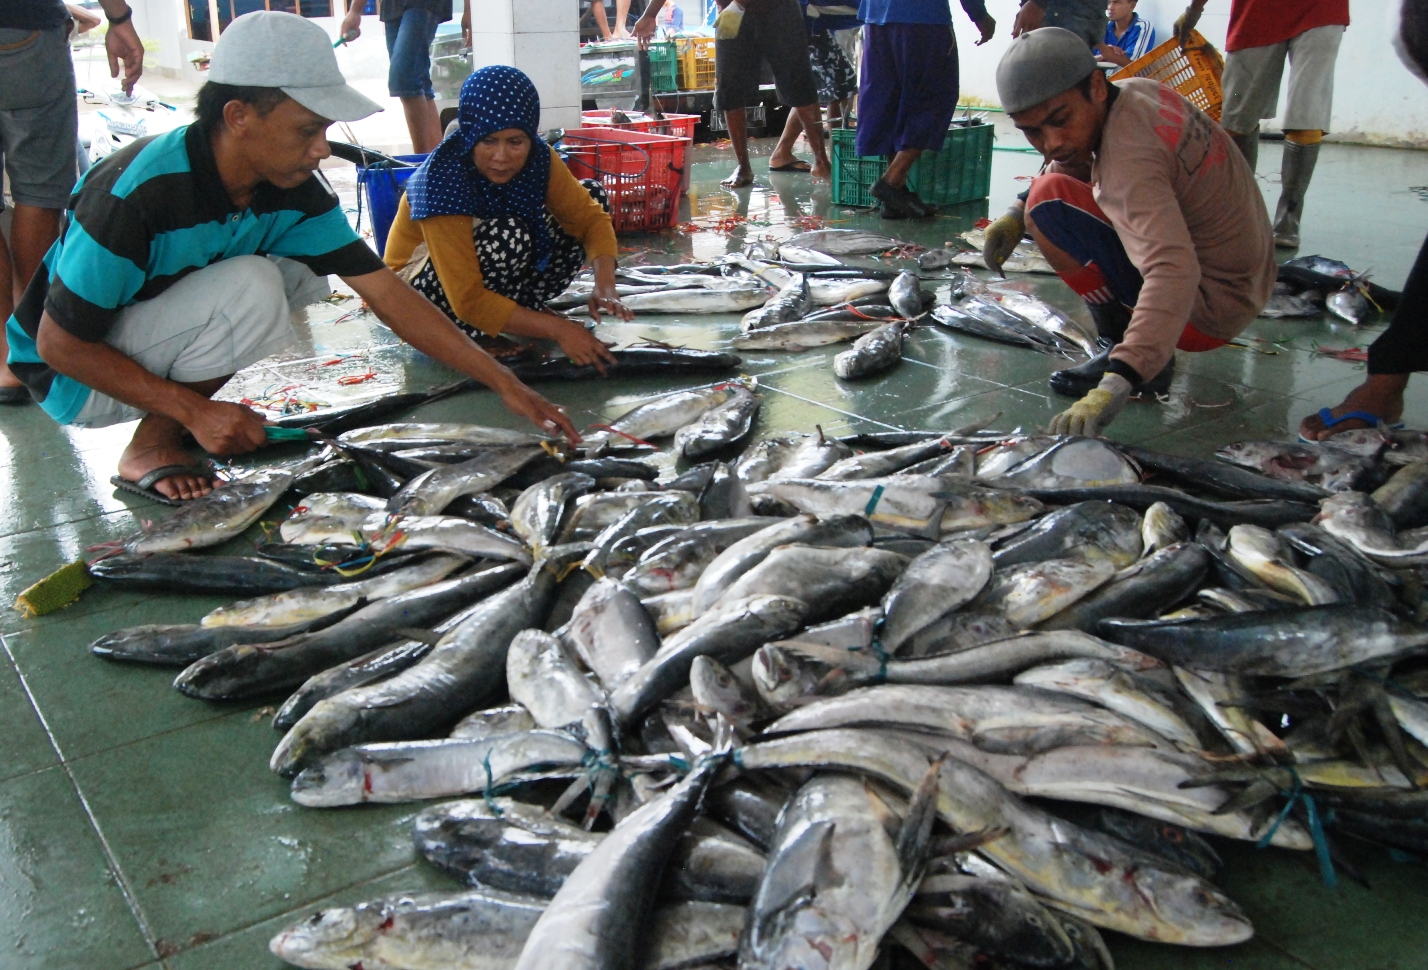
642	173
1194	72
696	63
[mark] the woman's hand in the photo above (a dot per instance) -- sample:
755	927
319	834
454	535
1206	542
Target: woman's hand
605	297
582	346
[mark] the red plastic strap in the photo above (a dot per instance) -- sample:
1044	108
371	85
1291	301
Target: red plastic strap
612	430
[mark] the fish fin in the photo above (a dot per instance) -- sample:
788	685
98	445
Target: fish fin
1388	726
916	832
791	879
1248	797
570	794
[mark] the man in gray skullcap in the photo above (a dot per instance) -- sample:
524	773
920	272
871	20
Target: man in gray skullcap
1145	209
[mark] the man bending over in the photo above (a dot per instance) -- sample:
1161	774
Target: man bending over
1146	210
186	251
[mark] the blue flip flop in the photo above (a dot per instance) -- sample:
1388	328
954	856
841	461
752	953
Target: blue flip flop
1327	416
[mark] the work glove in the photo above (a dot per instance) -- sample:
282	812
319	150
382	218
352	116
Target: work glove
1097	409
1184	24
730	19
1002	236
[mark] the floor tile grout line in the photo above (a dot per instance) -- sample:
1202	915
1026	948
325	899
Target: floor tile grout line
125	888
149	737
849	414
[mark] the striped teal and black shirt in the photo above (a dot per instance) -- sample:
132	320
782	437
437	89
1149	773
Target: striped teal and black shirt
145	218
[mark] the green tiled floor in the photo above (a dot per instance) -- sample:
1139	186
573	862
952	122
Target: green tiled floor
139	828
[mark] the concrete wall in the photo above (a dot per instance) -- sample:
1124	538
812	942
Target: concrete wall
1376	100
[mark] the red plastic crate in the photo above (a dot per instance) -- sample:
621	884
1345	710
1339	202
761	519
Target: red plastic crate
642	173
680	126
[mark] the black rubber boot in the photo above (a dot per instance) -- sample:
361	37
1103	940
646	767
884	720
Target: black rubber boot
1082	379
1111	320
895	198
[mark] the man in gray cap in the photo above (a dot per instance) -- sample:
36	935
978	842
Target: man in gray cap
186	252
1145	209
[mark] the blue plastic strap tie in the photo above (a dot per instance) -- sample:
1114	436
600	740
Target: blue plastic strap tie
1316	829
487	790
872	505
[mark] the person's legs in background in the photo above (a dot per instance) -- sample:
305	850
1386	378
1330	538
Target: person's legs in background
37	147
1312	55
736	86
776	32
409	75
906	97
1250	84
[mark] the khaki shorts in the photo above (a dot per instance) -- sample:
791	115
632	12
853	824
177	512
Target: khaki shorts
1252	77
209	324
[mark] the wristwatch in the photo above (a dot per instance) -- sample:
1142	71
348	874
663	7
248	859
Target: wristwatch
123	18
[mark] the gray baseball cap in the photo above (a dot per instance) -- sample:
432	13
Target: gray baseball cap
269	49
1041	64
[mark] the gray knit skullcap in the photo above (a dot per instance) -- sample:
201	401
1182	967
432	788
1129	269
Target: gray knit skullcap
1041	64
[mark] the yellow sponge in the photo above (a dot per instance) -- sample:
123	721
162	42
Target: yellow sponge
56	591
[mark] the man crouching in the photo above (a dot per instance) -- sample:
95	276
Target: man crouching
186	253
1146	210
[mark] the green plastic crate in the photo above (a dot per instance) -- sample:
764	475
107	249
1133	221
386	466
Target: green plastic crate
664	67
960	172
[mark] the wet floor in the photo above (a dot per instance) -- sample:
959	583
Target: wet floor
139	828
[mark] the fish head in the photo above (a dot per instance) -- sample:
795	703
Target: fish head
788	675
335	937
715	688
339	779
1200	914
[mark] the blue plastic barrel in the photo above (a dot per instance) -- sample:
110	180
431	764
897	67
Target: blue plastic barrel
382	187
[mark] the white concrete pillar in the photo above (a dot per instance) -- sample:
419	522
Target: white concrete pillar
540	37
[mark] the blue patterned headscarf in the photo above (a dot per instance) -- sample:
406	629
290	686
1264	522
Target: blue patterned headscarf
447	183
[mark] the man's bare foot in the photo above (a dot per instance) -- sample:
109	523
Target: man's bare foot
822	171
158	442
743	175
8	379
1380	395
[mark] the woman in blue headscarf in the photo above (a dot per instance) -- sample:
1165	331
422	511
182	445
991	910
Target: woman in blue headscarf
493	224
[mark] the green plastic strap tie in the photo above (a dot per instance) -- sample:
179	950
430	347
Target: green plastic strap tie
872	505
287	434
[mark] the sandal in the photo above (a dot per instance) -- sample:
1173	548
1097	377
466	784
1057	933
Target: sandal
1326	415
145	485
797	165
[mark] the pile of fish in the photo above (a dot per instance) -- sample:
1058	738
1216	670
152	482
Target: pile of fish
806	293
1310	285
977	696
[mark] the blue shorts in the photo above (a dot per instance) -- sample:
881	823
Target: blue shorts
409	52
